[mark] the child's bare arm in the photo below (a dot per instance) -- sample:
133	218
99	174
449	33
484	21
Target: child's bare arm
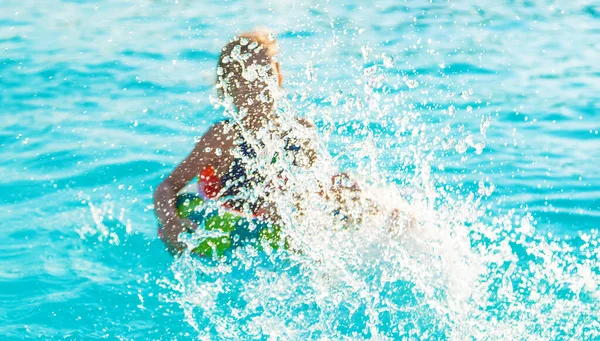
165	196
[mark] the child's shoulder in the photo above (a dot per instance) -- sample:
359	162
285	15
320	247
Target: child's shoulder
220	133
220	128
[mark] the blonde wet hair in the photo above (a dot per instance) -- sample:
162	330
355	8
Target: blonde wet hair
246	66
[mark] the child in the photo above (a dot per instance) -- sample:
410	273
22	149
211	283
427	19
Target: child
248	75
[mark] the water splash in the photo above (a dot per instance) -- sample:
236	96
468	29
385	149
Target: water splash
447	267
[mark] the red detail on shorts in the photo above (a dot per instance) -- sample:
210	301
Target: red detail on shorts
210	183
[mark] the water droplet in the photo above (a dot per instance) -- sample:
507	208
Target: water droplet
451	110
365	52
388	61
411	83
461	147
479	147
309	71
485	124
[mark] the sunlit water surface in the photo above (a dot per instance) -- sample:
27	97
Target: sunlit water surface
483	116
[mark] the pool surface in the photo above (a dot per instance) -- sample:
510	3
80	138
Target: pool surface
485	114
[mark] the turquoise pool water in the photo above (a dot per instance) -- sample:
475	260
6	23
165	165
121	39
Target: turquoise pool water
488	111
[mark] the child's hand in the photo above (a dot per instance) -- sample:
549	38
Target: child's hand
171	230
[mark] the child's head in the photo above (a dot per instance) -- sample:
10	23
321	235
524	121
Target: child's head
247	69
